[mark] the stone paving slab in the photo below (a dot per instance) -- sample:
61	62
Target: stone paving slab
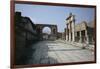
87	46
53	52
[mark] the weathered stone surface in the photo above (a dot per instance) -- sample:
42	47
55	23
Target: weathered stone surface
52	52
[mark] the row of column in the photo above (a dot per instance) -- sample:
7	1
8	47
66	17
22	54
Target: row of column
71	27
71	31
86	38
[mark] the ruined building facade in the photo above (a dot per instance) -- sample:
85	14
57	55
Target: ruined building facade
25	35
82	32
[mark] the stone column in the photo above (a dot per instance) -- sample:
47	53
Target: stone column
69	31
73	31
86	36
80	37
51	31
52	34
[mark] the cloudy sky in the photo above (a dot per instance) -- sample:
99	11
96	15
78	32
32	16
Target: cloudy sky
43	14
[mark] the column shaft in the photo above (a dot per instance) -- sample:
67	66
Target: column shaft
73	31
69	31
86	36
80	37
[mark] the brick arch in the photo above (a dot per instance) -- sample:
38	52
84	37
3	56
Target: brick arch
52	27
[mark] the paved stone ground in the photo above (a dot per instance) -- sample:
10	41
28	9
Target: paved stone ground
52	52
87	46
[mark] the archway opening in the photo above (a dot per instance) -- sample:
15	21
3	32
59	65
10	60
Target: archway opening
46	32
